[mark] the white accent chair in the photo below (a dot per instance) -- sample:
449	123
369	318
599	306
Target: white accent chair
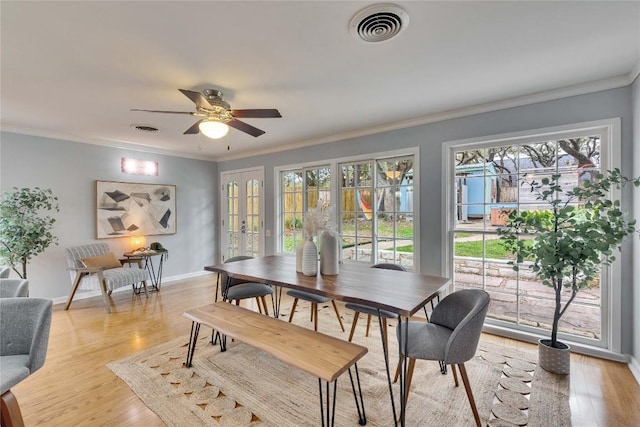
101	278
4	272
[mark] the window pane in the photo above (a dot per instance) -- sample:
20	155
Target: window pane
302	190
363	175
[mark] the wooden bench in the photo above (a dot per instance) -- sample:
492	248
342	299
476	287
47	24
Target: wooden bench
323	356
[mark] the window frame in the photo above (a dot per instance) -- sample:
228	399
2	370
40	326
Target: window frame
334	165
609	344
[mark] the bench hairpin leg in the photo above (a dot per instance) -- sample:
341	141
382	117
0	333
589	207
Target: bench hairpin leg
223	343
362	417
193	338
327	412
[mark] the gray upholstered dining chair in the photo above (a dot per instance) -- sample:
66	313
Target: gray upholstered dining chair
4	272
24	336
369	311
451	336
13	288
238	289
314	300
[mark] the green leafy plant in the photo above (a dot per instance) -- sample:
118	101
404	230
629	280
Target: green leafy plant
25	226
571	240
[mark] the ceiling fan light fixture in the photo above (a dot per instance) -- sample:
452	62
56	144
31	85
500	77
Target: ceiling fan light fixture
213	129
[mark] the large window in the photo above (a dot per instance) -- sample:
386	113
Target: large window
374	201
485	183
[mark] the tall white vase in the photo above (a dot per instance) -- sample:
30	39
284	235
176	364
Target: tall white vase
310	258
299	250
329	259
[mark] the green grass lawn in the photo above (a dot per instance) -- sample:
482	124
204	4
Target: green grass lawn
472	249
494	249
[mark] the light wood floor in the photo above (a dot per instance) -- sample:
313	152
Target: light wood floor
75	388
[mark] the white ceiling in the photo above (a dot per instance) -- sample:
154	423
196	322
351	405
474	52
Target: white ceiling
73	70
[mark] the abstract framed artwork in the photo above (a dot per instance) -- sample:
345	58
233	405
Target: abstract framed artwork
129	208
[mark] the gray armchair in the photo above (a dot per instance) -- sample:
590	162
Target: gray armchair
24	336
4	272
451	336
103	278
13	288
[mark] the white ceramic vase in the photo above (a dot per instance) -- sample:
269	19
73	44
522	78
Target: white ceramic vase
329	259
310	258
299	250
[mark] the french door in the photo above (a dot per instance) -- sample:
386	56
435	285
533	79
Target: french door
242	213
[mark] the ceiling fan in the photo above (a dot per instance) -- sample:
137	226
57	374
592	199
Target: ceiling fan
217	115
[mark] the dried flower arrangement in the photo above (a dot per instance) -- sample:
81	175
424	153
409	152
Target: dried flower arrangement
318	219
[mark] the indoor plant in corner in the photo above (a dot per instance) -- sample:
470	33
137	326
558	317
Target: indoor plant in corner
567	243
25	226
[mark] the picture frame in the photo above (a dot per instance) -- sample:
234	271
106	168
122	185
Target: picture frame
130	208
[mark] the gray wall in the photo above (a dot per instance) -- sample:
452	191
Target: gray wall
70	169
430	137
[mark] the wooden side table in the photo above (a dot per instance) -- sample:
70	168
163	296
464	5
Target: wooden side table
147	257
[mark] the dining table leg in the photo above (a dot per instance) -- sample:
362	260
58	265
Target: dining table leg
276	298
385	350
402	350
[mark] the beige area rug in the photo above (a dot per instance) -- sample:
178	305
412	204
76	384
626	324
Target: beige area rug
246	387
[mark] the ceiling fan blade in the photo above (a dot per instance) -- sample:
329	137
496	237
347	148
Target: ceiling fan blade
162	111
193	129
264	113
245	127
197	98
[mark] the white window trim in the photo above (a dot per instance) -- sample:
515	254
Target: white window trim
335	188
612	299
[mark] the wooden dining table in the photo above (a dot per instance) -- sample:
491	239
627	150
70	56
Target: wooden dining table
403	293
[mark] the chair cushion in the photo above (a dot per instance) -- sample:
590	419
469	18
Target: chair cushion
76	253
14	369
370	310
115	278
248	290
308	296
426	340
108	260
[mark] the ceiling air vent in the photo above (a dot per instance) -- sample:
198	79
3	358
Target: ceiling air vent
145	128
378	22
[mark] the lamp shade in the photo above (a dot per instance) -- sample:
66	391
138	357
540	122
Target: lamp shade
138	242
213	129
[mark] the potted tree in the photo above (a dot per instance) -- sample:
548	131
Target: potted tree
25	226
567	243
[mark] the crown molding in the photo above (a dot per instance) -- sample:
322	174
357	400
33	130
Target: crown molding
112	143
635	72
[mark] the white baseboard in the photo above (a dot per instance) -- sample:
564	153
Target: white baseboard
166	281
634	366
602	353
